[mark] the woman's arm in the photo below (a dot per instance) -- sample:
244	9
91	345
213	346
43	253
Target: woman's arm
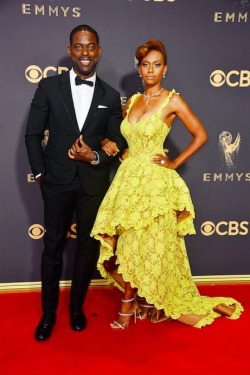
109	146
180	109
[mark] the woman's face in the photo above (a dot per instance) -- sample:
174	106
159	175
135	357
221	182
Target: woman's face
152	68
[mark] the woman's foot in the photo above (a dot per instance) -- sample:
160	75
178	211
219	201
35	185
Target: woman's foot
128	308
225	310
158	316
190	319
144	310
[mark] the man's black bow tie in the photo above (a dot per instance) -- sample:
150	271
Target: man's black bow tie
80	81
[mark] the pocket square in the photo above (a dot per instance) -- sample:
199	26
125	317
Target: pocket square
102	106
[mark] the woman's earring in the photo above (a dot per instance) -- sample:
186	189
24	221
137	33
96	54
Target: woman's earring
142	80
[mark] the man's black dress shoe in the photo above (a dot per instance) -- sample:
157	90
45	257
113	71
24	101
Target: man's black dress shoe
44	329
78	320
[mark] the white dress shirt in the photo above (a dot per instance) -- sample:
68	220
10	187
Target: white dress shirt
82	97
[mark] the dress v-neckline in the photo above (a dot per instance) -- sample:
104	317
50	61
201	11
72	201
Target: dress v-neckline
166	100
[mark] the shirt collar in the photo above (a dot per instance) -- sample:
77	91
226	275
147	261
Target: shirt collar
73	76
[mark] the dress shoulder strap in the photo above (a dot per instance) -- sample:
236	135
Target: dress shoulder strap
132	100
166	101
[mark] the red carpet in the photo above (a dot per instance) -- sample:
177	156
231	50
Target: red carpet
146	349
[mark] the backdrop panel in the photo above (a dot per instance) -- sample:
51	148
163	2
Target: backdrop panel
207	44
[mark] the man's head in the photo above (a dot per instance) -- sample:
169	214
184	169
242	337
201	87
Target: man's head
84	50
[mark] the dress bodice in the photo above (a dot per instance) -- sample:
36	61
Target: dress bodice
147	136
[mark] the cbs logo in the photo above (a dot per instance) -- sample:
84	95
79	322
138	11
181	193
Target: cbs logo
36	231
34	73
223	228
233	78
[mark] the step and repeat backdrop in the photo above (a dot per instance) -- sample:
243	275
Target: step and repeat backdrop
209	65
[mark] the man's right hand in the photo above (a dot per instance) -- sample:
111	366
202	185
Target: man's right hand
80	151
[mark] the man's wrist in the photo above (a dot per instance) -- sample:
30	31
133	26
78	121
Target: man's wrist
96	159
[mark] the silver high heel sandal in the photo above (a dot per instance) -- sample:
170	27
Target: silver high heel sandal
117	325
142	316
143	303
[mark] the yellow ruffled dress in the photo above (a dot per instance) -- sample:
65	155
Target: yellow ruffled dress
141	207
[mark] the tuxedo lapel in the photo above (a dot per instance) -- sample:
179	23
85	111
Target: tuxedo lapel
98	94
64	85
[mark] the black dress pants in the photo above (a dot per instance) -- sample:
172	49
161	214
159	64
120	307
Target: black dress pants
58	213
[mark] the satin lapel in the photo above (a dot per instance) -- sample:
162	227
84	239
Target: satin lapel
64	85
98	94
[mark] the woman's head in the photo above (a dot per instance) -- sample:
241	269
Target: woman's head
151	62
150	45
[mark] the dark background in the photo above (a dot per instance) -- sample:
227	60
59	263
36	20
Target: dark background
201	37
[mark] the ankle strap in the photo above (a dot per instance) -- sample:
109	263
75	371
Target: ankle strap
128	300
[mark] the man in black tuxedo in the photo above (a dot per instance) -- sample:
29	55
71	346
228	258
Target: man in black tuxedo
80	111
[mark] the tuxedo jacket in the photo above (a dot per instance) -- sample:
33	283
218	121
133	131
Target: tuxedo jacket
52	108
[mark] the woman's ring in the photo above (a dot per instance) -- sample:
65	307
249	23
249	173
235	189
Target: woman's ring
163	162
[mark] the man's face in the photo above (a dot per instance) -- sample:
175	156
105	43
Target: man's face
84	53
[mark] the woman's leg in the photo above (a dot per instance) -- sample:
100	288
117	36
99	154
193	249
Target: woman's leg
128	308
110	265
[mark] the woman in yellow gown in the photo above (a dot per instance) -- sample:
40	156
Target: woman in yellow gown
148	210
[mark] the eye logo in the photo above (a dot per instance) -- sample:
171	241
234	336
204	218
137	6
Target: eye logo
36	231
217	78
208	228
33	73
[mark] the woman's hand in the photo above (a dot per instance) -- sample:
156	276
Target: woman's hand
163	161
110	147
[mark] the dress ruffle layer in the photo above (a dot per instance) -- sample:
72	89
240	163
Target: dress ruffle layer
140	192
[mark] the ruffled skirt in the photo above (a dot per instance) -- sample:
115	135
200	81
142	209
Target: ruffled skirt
142	207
